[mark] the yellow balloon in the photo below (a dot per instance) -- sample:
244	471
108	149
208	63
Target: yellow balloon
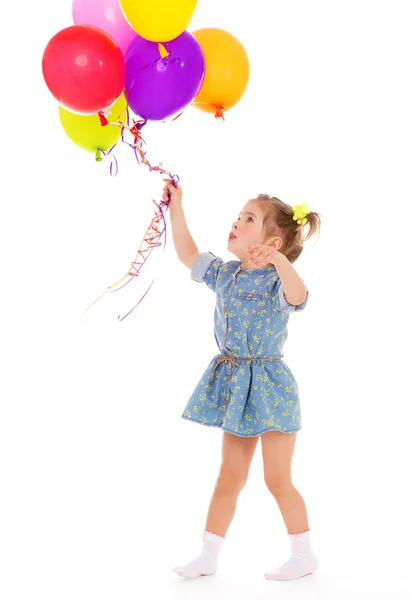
227	70
159	20
88	132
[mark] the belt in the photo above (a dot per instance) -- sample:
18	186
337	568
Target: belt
235	362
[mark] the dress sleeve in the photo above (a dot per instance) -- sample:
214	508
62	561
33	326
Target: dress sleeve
206	269
278	296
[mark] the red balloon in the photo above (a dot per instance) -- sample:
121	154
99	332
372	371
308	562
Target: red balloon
84	69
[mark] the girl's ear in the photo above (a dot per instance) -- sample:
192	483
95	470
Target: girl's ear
276	243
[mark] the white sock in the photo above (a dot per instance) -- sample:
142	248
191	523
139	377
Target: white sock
302	561
206	562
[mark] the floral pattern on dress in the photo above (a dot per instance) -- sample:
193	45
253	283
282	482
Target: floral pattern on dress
252	390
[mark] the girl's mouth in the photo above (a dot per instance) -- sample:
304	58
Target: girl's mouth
232	237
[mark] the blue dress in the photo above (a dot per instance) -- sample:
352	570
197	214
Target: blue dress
247	389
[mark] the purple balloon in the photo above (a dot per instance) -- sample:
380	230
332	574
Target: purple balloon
157	88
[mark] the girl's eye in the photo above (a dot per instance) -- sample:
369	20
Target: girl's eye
250	219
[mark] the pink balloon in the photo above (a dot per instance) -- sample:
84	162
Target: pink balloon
106	15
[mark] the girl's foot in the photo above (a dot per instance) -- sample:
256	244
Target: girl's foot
301	563
206	562
295	568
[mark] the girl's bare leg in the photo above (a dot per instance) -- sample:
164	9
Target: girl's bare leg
277	450
237	454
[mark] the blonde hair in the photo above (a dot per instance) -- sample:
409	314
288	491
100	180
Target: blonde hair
278	221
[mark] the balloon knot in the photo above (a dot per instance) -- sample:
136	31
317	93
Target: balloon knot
103	120
99	157
162	51
219	113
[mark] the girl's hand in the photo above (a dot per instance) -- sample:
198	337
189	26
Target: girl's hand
175	200
260	255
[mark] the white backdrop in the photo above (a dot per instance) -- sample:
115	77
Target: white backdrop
103	486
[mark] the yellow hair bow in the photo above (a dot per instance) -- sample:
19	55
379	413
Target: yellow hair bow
300	212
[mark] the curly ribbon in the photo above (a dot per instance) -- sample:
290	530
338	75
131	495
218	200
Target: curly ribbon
114	165
154	233
151	240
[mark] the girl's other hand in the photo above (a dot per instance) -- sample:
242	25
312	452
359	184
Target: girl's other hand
261	255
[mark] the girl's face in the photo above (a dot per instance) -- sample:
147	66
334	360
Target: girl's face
246	231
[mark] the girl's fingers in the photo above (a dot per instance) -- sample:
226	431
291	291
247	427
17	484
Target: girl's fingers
261	258
254	251
171	183
258	254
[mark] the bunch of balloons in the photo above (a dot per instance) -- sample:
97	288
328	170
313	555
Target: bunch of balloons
137	55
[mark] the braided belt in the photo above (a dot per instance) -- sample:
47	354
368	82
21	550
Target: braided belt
235	362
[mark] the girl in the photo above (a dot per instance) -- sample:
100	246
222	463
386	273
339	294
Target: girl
247	390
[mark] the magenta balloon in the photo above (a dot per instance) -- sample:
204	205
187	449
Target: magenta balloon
157	88
106	15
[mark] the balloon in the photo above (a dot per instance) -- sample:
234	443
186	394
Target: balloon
159	20
88	133
108	16
84	69
227	70
157	88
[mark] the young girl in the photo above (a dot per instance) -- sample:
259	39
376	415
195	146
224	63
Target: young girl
247	390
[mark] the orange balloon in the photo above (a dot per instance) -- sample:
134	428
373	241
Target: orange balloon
227	70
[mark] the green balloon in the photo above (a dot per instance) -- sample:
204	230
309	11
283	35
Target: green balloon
88	132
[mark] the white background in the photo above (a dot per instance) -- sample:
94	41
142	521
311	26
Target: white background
103	487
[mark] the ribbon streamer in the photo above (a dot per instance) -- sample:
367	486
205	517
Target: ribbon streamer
157	228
